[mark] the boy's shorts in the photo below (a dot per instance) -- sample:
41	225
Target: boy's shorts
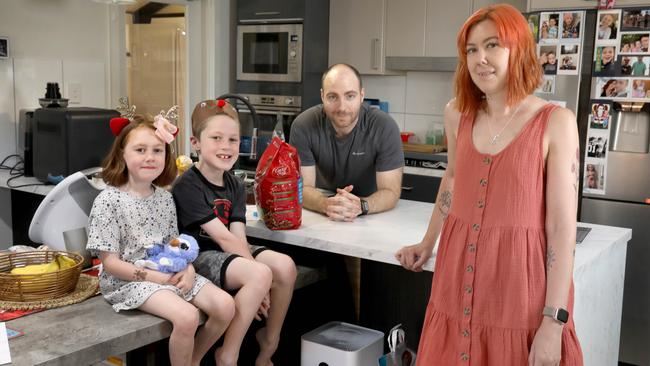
212	264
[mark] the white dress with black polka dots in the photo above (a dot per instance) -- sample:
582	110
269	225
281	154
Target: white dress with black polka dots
122	223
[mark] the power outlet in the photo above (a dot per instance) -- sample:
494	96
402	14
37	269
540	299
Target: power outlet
74	93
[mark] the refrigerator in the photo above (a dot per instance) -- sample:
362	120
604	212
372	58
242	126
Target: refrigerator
615	129
609	91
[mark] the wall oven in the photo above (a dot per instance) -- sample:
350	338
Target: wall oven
269	52
275	114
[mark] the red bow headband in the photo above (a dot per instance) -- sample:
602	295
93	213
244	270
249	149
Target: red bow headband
165	129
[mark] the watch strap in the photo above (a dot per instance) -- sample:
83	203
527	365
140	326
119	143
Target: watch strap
559	314
364	206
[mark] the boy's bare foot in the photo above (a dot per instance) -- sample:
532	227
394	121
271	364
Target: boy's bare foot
267	348
223	360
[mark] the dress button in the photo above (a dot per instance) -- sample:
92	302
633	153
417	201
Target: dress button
483	182
465	333
476	227
470	269
480	204
468	289
466	310
487	160
471	248
464	356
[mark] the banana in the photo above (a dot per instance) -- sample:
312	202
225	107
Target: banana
36	268
65	262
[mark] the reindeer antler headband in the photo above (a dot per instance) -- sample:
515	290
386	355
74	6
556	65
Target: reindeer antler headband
164	122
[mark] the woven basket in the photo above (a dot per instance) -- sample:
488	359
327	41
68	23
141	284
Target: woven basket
20	287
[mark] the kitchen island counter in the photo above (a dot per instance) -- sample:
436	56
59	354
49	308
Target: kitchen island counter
377	237
599	270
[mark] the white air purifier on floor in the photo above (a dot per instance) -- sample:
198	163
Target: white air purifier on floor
341	344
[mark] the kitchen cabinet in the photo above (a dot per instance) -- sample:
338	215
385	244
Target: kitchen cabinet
278	9
357	34
442	26
418	28
519	4
405	27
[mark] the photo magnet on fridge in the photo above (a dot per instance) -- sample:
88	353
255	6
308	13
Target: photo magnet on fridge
636	20
600	116
608	25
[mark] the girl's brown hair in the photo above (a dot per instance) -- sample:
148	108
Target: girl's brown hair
209	108
114	170
524	72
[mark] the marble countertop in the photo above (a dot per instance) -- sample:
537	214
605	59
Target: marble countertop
377	237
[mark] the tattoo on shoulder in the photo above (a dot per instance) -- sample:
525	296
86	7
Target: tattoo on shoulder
550	257
445	203
140	275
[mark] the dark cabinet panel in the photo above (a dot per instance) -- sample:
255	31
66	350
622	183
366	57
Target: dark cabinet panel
422	188
277	9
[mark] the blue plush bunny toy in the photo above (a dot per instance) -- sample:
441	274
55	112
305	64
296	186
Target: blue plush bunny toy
172	257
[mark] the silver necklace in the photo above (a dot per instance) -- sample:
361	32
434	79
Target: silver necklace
493	139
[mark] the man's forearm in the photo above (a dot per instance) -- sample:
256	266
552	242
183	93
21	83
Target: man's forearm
314	200
382	200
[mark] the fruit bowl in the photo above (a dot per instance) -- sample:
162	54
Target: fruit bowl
38	275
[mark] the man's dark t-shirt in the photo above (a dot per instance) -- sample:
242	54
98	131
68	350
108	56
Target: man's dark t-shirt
374	145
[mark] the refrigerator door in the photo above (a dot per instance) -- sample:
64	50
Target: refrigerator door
566	90
635	327
628	177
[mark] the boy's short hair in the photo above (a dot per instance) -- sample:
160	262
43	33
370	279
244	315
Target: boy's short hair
210	108
114	170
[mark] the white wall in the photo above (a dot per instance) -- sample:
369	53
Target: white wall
416	100
64	41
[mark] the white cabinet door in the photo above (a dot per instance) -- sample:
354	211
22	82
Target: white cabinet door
444	19
519	4
405	27
356	34
564	4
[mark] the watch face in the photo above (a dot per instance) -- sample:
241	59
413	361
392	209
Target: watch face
562	315
364	207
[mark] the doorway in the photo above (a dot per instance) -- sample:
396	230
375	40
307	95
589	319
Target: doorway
156	62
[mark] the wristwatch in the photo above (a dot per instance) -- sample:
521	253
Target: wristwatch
364	207
558	314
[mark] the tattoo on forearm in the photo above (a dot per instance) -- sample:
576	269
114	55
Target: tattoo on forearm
550	257
139	275
445	203
575	169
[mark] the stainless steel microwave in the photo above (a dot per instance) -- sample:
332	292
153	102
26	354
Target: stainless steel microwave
269	52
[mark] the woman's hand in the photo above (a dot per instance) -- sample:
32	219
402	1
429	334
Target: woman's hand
547	345
413	257
184	280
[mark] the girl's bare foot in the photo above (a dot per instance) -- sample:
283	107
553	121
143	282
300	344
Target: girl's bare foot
267	348
223	360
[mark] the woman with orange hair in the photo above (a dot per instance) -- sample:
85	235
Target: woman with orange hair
502	293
